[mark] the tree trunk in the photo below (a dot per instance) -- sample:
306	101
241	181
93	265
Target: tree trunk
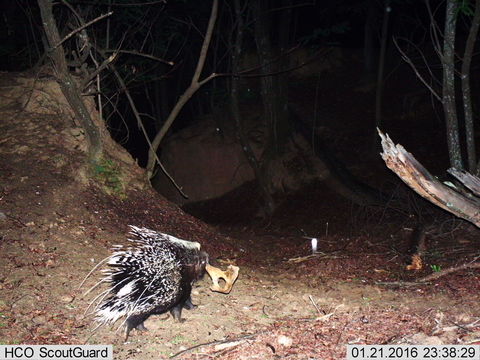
448	96
268	202
467	98
381	67
67	83
273	88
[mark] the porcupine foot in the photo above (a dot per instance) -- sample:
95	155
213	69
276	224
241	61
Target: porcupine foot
189	305
141	327
135	322
177	312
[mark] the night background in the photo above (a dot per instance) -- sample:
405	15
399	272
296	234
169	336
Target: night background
264	116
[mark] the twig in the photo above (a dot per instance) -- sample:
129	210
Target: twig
310	60
314	304
302	258
15	219
419	76
97	3
216	342
131	52
398	283
326	316
330	255
341	332
81	28
98	70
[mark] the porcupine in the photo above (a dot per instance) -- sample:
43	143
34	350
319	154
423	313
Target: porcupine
152	277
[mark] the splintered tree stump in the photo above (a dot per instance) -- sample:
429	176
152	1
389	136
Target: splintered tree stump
463	204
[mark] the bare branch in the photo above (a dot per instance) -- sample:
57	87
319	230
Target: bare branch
82	27
435	32
420	77
192	89
142	55
206	42
311	3
98	70
96	3
140	124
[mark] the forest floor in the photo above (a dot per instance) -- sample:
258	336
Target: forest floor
56	224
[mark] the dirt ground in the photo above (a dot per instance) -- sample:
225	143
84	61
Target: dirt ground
56	223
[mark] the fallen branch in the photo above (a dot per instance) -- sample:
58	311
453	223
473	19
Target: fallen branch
470	181
431	277
422	182
439	274
330	255
232	342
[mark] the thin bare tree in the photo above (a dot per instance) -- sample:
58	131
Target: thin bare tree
195	84
69	87
466	93
448	86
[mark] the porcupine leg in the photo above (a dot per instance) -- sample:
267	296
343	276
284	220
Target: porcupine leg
189	305
141	327
177	312
185	302
135	322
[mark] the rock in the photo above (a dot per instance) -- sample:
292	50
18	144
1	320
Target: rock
284	340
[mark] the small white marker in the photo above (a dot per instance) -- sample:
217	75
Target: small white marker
314	245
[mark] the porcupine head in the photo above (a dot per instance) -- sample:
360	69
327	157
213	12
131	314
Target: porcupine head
153	276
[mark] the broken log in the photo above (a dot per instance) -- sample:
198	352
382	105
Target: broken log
464	204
